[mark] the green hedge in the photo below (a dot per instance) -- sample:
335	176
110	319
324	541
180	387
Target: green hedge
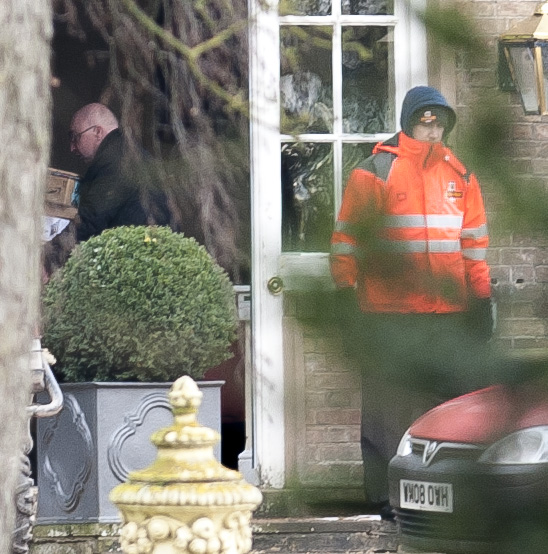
139	304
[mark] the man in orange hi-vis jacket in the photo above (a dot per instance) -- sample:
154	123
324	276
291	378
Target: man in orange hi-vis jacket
409	248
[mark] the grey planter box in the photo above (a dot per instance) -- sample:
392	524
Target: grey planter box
99	437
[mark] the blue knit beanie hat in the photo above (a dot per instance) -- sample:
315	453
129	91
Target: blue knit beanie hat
426	104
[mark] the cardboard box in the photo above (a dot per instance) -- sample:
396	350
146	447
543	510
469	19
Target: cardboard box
59	189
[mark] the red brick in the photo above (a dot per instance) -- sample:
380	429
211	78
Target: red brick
540	131
522	328
350	474
499	237
522	131
348	452
518	10
332	434
334	417
481	9
523	275
333	381
515	256
483	78
315	362
493	256
315	344
525	149
491	26
530	343
539	167
541	256
533	239
502	274
531	292
522	310
541	274
337	363
504	309
333	399
523	167
542	150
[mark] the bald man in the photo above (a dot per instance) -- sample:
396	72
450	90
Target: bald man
108	197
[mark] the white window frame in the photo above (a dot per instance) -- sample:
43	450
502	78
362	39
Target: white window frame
267	456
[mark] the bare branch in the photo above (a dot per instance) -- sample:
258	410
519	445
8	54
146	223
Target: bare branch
191	55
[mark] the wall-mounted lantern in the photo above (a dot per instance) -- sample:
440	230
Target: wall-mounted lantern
525	48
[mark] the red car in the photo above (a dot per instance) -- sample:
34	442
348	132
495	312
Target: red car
471	475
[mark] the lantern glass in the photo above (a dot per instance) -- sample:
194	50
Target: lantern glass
522	63
544	77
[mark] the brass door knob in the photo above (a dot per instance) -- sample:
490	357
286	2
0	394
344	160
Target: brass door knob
275	285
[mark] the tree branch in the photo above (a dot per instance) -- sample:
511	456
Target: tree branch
191	55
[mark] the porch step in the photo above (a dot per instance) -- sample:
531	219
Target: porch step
364	534
325	535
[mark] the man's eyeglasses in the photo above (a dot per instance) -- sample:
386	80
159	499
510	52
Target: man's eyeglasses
73	137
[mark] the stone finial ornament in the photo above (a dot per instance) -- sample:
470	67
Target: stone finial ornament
185	501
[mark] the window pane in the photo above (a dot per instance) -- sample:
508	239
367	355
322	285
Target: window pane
305	7
307	197
306	80
353	155
368	80
368	7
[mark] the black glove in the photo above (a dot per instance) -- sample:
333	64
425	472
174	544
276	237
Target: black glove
349	319
480	318
346	308
346	298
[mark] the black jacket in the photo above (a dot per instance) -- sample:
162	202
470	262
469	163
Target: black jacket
108	198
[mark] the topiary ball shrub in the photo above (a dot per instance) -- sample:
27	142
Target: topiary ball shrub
138	304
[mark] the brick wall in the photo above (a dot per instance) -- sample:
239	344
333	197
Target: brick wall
333	407
518	261
323	407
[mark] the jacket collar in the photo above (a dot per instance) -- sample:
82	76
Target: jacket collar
108	154
424	154
113	139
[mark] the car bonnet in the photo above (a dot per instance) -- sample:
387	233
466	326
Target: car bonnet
484	416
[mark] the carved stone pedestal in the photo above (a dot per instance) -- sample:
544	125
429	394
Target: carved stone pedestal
186	502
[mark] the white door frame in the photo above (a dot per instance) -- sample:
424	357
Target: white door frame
268	438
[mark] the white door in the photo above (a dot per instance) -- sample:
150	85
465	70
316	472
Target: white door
327	78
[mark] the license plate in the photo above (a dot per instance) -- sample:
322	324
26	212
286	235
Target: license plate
427	496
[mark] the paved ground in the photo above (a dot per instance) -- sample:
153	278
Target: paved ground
365	534
327	535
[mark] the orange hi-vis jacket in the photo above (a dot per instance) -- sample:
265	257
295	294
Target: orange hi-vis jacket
415	243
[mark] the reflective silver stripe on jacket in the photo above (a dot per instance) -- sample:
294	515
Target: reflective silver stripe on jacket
342	248
444	246
346	227
418	246
474	232
475	253
448	221
414	246
404	247
432	221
